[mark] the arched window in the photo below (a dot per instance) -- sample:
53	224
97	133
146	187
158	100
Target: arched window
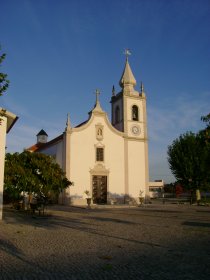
117	114
135	113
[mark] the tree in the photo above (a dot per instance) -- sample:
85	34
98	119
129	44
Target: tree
205	138
206	119
189	159
4	82
206	131
33	173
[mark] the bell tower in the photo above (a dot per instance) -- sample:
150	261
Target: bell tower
129	105
129	116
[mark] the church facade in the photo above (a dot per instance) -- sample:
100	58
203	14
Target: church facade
107	159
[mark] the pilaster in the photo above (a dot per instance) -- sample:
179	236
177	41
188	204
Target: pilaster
3	127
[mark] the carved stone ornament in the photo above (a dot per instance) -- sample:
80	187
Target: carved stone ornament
99	132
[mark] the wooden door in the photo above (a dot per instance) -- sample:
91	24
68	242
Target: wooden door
99	184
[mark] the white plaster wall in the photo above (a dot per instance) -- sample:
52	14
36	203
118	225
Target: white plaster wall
135	101
59	153
140	123
50	151
3	126
118	103
56	151
83	159
136	168
114	161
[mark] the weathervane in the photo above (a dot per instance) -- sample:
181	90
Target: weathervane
127	53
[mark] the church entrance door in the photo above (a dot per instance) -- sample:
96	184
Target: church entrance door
99	189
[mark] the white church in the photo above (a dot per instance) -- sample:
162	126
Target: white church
108	159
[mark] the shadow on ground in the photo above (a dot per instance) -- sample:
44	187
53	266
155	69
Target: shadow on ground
72	243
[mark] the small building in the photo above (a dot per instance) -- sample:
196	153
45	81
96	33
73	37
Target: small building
7	120
156	188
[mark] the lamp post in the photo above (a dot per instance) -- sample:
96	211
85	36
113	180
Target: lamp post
190	182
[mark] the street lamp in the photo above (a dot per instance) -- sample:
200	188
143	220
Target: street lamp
190	182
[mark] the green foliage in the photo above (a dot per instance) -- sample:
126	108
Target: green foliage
206	119
189	158
206	132
4	82
33	172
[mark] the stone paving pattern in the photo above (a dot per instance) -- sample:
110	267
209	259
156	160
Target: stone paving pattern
150	242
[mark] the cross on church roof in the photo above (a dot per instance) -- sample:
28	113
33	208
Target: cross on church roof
97	107
97	92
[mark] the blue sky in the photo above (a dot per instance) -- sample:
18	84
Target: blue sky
59	52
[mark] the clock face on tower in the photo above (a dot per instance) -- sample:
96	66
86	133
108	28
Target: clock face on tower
135	129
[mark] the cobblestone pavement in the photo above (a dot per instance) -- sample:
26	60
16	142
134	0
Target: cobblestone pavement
150	242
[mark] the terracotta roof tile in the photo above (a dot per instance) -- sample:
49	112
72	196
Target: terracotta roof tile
40	146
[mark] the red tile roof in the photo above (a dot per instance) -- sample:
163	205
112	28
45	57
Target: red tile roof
41	146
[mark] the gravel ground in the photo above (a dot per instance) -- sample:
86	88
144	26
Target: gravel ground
150	242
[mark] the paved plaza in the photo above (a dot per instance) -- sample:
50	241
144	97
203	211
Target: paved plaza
149	242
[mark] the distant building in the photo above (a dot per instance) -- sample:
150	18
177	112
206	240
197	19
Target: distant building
110	160
156	188
7	120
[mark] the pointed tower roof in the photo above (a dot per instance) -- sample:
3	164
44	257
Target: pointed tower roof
42	132
68	124
128	81
127	76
